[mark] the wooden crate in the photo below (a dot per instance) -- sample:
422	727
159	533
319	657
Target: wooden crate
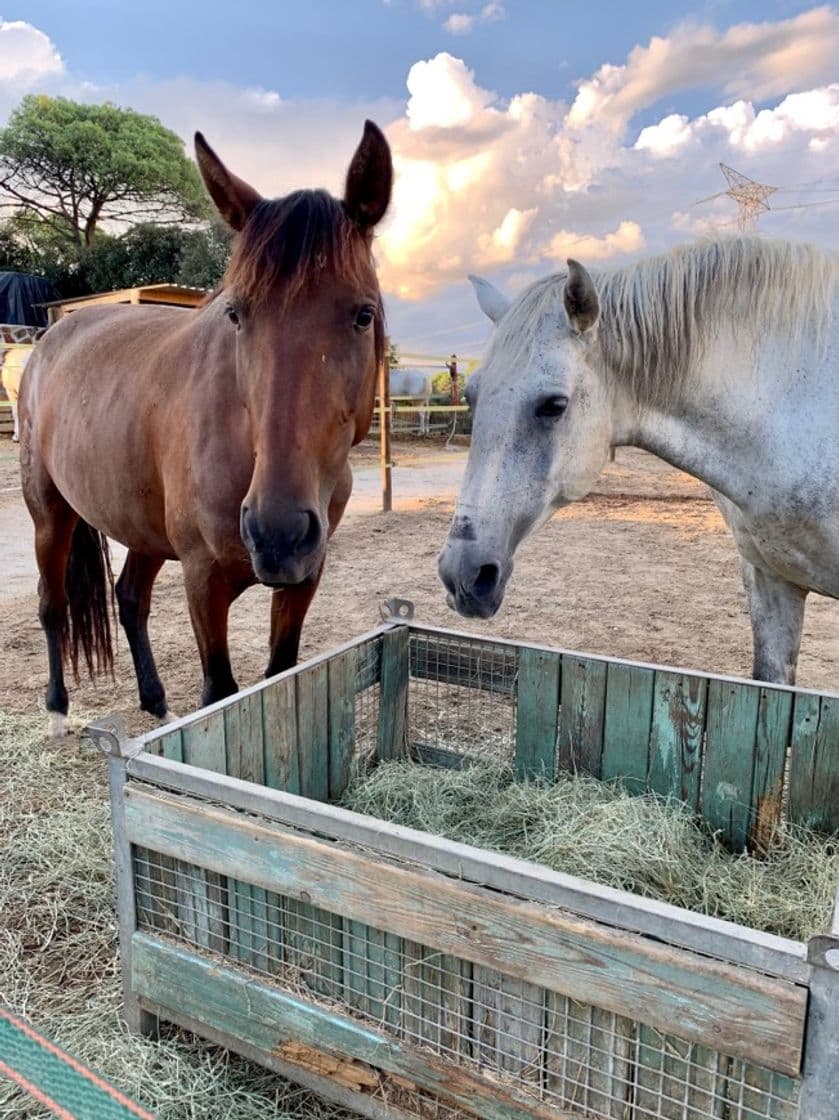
404	975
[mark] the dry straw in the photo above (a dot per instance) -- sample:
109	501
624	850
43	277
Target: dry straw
601	832
58	948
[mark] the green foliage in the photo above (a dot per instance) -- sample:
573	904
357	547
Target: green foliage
75	166
145	254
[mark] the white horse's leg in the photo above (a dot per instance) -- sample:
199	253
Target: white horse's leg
776	608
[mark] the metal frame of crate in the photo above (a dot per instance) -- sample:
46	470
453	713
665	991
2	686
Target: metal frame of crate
404	975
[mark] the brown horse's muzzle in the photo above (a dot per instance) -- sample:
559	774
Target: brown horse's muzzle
285	548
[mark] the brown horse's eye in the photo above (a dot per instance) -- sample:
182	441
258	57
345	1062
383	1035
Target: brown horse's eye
364	318
232	315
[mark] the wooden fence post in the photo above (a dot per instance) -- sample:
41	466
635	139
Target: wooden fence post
385	422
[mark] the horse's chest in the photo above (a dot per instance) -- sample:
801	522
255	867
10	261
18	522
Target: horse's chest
798	541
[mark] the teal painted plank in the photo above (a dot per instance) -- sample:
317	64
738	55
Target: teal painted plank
393	700
243	723
731	734
279	721
204	743
261	1016
342	673
373	972
814	763
626	731
243	731
773	733
314	947
313	732
745	1014
676	736
537	704
170	746
582	714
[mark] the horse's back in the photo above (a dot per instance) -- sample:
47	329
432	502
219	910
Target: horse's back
409	383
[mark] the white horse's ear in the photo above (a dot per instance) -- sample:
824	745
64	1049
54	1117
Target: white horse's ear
493	303
580	298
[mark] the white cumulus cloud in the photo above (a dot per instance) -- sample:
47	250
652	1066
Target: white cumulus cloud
27	55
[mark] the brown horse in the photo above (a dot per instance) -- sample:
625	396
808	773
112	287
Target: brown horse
218	436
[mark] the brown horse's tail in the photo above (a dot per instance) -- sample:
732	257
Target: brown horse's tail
90	591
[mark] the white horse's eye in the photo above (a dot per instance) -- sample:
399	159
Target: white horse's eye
551	408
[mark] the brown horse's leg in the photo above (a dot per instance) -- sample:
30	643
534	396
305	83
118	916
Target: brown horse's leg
133	590
288	610
209	594
54	527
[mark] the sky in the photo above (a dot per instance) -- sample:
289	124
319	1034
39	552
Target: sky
523	131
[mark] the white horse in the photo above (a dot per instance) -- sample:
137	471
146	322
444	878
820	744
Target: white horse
417	385
722	358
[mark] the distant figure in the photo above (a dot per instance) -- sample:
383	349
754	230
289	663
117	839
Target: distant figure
451	366
14	363
415	384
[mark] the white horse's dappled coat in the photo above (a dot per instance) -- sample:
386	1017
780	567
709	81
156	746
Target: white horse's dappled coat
723	359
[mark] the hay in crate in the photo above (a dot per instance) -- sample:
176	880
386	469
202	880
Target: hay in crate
601	832
58	948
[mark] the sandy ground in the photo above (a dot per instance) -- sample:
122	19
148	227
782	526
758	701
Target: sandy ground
644	568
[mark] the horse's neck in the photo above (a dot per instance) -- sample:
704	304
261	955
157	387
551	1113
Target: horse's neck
707	429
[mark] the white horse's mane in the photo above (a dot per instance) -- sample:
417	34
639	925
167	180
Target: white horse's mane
657	315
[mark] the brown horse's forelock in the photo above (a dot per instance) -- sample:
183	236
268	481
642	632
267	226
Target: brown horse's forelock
290	244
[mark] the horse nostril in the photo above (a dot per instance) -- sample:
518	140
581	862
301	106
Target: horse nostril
309	537
486	580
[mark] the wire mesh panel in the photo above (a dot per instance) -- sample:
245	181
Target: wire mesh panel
519	1035
461	698
368	671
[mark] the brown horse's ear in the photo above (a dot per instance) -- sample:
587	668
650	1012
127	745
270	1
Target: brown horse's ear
580	298
233	197
369	179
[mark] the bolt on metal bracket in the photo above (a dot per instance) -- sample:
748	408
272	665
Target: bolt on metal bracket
110	737
396	610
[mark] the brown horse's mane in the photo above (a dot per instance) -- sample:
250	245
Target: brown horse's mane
289	244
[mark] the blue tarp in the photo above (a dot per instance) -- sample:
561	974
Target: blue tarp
20	293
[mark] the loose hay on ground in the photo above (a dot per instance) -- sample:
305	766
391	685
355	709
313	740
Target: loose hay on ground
601	832
58	947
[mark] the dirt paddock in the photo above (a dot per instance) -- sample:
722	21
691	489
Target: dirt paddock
644	568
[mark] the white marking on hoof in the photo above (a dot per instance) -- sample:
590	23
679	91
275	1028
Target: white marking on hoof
167	717
58	725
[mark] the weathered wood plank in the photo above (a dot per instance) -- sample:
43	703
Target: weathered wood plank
773	731
437	1007
509	1024
582	714
393	702
265	1018
731	732
314	947
537	709
313	732
588	1058
279	718
204	743
626	730
814	763
471	663
170	746
342	673
747	1015
676	736
243	733
753	949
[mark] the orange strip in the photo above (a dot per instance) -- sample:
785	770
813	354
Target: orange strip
35	1092
86	1073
